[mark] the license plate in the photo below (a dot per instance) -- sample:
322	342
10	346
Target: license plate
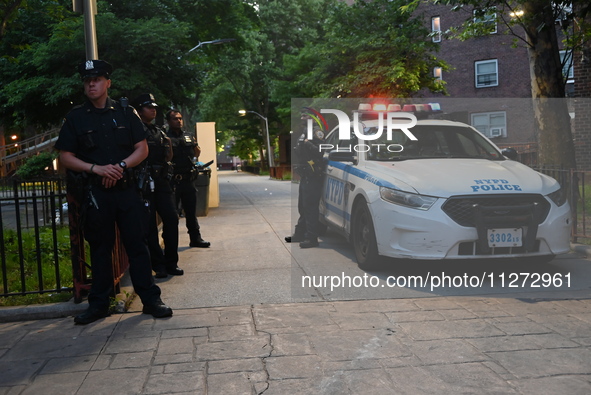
508	237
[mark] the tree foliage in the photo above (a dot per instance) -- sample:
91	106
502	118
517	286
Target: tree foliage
282	49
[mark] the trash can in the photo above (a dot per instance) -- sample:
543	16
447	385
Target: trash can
202	184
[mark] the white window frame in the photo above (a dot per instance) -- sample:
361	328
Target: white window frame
491	17
436	29
476	74
568	68
486	128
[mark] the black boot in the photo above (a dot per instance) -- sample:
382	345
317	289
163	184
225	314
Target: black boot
175	271
295	238
160	271
90	315
199	242
309	243
157	309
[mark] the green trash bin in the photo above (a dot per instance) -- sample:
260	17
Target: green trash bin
202	184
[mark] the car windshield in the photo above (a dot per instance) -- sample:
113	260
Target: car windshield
433	141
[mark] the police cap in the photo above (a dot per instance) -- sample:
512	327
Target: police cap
145	99
95	68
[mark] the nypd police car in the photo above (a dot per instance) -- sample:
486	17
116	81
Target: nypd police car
449	193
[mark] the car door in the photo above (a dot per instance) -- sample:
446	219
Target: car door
333	208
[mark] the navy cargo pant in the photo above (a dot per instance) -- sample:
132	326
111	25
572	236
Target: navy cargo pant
309	193
162	203
126	209
185	191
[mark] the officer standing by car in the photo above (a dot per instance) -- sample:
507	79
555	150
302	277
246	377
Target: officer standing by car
106	140
309	166
161	197
185	148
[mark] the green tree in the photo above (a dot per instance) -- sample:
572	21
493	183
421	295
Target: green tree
369	49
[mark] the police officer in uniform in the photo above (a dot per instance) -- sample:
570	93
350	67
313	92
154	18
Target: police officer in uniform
309	166
161	197
106	141
185	148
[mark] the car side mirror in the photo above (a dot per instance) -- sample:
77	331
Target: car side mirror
342	156
510	153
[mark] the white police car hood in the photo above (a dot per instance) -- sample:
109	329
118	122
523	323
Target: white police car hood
450	177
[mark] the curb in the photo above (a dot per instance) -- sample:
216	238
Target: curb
64	309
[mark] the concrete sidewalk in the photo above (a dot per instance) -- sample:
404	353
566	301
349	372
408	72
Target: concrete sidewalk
239	328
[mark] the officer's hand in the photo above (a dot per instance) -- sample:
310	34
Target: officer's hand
109	174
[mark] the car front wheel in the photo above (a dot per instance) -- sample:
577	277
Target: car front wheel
363	238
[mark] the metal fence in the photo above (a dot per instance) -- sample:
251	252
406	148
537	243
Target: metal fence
42	248
577	184
31	214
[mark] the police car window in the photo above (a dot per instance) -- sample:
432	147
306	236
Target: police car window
433	141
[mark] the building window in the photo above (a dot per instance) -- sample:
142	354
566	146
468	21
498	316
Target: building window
566	59
487	73
436	29
491	124
486	19
437	73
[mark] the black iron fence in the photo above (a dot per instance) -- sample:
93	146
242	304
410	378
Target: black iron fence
577	185
42	248
34	237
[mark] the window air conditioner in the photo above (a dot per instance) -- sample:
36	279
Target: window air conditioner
496	132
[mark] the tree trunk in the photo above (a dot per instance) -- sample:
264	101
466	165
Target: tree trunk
556	146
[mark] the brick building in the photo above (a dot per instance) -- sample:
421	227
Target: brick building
582	107
490	67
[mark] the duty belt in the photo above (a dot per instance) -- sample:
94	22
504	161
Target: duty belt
183	176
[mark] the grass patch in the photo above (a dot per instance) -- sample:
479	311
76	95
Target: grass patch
38	267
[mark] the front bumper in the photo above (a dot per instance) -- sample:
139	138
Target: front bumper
408	233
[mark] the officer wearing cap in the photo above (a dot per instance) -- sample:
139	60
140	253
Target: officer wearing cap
105	140
309	166
185	148
161	197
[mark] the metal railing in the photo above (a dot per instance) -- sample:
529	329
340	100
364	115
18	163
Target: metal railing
31	216
15	153
577	184
38	253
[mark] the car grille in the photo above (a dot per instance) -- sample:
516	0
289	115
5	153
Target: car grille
461	208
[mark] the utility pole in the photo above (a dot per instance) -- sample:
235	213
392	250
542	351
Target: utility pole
88	8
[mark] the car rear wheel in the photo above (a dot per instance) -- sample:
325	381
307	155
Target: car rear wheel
364	238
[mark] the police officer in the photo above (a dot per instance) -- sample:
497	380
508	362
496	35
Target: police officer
106	140
161	197
309	167
185	148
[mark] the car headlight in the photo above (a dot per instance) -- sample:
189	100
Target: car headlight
558	196
407	199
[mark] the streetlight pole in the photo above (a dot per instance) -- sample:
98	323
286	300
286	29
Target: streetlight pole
269	151
219	41
88	8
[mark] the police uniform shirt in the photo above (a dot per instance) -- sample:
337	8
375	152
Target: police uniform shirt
156	141
101	135
183	147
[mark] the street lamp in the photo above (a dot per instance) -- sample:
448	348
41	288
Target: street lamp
269	152
219	41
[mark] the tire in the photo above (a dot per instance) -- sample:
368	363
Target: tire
363	238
